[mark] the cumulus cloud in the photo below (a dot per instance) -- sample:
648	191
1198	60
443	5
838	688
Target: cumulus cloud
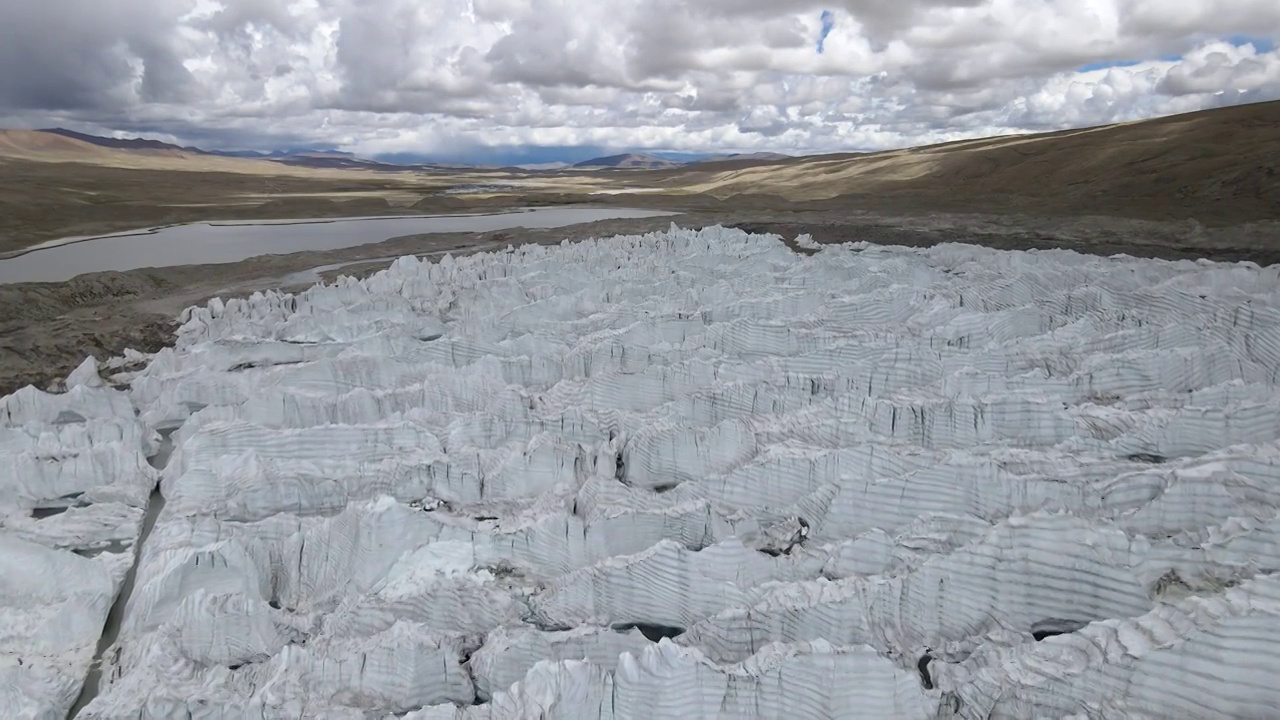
384	76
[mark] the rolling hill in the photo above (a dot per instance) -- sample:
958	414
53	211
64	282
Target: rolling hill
743	157
1219	165
40	145
121	143
628	161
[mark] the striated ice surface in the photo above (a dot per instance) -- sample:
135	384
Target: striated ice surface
74	486
667	681
682	475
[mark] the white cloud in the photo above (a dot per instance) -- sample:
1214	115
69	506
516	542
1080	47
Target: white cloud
403	75
1219	66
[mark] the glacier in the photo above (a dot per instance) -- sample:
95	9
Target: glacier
689	474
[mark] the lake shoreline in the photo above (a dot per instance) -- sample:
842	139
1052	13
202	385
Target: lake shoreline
48	328
229	242
152	230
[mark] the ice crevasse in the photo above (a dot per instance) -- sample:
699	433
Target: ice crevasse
691	474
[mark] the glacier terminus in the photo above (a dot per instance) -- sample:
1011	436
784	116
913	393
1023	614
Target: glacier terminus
690	474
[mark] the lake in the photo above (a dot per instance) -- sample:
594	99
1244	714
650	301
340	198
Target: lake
232	241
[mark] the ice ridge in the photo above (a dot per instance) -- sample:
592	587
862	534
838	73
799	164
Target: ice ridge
690	474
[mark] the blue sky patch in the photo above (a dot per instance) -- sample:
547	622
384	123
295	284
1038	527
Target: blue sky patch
1090	67
828	24
1104	64
1261	44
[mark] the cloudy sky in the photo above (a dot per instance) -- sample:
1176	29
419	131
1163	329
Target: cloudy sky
479	79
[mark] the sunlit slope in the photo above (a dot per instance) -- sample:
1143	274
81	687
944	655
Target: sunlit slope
1219	161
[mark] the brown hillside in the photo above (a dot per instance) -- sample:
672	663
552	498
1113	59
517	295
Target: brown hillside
36	145
1217	165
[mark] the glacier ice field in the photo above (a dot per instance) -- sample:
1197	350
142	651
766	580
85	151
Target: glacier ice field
690	474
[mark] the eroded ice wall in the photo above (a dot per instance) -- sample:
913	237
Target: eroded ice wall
696	475
74	486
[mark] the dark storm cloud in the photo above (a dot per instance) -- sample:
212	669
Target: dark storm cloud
164	78
73	54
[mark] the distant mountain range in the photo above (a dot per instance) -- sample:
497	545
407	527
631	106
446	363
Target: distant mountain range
307	157
328	158
756	156
640	161
119	143
629	161
141	144
543	166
